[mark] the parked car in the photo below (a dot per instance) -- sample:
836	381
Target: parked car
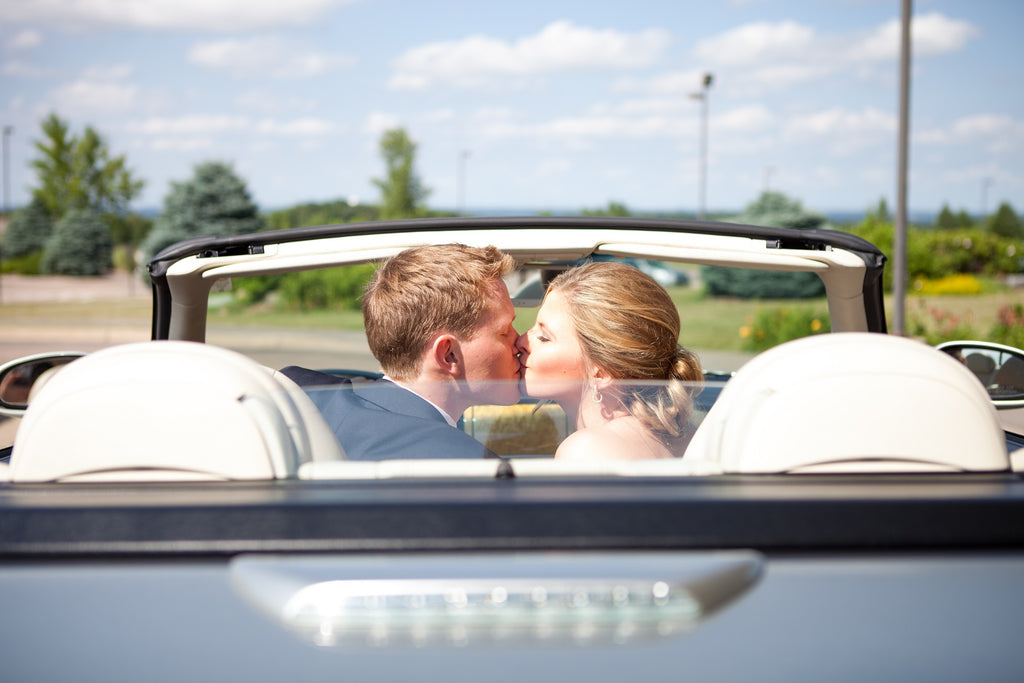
848	510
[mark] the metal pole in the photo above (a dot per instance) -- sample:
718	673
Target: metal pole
7	205
461	182
985	184
899	280
703	170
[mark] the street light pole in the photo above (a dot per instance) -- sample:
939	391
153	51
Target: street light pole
703	97
985	184
461	182
7	190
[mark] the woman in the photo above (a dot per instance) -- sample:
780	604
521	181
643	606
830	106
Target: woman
601	326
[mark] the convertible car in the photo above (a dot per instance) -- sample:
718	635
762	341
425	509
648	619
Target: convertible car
850	508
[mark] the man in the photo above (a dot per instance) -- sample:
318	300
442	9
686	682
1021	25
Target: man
439	321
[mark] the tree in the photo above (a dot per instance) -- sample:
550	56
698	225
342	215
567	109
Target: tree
402	192
214	202
777	210
614	209
946	220
881	213
1005	223
28	230
770	209
80	245
78	172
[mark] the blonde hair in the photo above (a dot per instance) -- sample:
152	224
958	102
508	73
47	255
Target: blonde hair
628	326
422	292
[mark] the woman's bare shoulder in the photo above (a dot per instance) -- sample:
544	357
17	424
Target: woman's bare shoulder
603	442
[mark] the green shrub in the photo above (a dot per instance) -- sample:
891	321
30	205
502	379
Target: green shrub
748	283
935	325
26	264
331	288
773	326
937	254
1009	329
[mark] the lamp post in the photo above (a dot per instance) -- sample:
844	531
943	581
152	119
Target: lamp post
985	184
7	190
703	97
461	182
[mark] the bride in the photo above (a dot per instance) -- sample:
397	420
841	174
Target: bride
605	347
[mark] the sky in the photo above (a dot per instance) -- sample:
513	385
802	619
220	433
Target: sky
557	105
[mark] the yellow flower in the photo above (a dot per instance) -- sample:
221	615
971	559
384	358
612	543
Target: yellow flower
745	331
815	325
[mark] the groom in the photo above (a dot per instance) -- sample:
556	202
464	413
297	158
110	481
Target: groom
439	321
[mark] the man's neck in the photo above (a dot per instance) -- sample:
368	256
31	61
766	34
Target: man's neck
435	393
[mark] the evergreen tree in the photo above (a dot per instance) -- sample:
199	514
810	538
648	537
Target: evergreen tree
777	210
1005	223
964	220
214	202
946	220
28	230
402	192
80	245
614	209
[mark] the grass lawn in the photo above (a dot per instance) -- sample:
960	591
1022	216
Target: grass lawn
706	322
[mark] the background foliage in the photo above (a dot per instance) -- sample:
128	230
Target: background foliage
214	201
80	245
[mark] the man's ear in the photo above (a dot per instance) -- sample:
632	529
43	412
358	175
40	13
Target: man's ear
446	354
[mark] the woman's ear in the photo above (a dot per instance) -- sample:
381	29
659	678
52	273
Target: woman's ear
600	378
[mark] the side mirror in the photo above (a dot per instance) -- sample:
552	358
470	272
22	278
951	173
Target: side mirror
21	378
999	368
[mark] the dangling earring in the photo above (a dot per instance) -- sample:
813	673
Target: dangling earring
597	395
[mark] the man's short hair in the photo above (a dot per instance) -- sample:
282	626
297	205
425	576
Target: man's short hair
424	291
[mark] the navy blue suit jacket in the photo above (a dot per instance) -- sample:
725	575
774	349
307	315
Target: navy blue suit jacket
382	421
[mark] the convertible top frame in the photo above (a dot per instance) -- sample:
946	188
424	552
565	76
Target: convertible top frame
851	268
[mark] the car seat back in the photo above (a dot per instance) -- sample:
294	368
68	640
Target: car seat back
852	402
164	410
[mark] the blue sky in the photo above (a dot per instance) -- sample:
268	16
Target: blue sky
553	104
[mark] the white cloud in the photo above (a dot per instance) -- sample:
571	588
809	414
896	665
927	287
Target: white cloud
764	57
189	144
95	95
20	69
265	56
744	119
265	101
559	46
931	34
190	125
205	126
999	133
838	122
304	127
219	15
671	83
24	40
757	43
378	122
